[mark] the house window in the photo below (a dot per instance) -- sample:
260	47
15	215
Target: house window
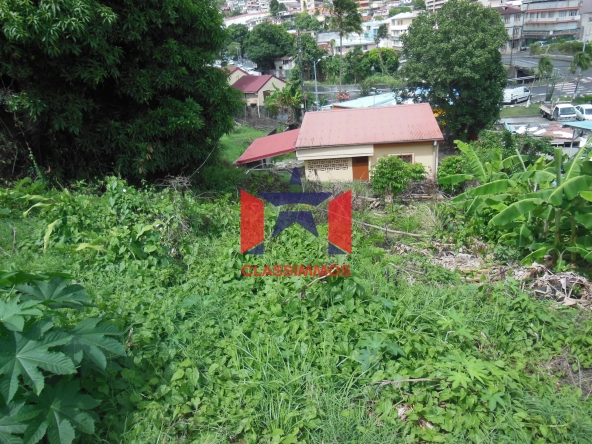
365	47
562	13
517	17
532	15
573	13
551	15
408	157
543	15
506	19
329	164
399	22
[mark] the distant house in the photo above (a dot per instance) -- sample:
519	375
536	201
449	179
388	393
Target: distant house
257	88
235	74
342	145
265	148
284	66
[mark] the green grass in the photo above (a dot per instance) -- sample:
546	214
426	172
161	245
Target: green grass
520	111
235	143
218	357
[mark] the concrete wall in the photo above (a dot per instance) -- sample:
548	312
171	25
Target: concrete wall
423	152
232	78
269	87
329	170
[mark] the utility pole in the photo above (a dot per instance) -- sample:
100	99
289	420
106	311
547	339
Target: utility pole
300	65
316	87
512	45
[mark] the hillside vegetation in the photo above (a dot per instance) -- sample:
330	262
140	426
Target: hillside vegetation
403	350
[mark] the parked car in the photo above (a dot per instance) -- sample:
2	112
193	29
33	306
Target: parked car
584	112
516	94
558	110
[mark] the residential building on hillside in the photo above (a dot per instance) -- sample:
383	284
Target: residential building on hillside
550	19
349	42
434	5
513	19
235	73
257	88
586	12
399	24
250	20
359	137
284	66
371	29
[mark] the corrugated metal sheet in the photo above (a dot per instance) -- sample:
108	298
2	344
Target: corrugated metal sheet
389	124
269	146
252	84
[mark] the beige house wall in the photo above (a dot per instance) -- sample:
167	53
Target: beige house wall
423	152
252	99
232	78
329	170
269	86
332	152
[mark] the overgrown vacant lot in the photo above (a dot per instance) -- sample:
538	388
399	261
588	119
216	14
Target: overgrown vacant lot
403	350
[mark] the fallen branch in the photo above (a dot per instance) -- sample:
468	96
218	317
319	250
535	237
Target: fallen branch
399	381
388	230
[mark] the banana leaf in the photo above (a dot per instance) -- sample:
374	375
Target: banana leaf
515	211
477	167
585	253
584	218
537	255
524	235
586	195
534	176
454	179
570	188
492	187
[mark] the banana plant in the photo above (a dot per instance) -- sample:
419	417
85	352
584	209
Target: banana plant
546	208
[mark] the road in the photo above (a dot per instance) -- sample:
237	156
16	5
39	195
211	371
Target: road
523	60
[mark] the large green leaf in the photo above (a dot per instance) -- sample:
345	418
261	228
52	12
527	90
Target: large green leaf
537	255
570	188
23	355
63	409
514	211
57	293
534	176
586	195
11	424
477	167
475	205
510	161
93	341
492	187
585	253
524	235
584	217
12	313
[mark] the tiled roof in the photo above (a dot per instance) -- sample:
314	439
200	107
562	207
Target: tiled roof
251	84
270	146
505	10
365	126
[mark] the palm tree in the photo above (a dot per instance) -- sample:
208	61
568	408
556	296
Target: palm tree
546	69
345	19
582	62
382	33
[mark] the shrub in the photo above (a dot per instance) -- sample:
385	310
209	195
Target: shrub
417	171
393	175
451	165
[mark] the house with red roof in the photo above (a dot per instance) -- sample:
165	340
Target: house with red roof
257	88
343	145
264	148
235	73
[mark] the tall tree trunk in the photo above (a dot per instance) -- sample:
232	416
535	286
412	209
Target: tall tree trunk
340	58
381	61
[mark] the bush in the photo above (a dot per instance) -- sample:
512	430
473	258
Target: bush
449	166
391	174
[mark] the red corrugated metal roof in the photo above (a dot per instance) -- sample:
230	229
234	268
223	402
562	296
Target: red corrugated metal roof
270	146
252	84
368	126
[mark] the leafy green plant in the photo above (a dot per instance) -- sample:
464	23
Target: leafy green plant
41	358
451	165
391	174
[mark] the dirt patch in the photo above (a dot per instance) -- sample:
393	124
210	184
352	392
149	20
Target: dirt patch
561	367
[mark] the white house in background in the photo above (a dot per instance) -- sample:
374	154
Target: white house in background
586	20
371	29
513	19
550	19
284	66
349	42
399	24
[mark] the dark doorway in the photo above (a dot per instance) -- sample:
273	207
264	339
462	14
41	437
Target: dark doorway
360	167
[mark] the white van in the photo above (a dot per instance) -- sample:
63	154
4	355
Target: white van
516	94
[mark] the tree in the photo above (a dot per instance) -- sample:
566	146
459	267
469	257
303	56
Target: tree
287	99
358	65
418	4
266	43
274	7
385	60
307	22
238	33
381	34
310	51
453	59
395	11
545	68
581	62
345	19
123	86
